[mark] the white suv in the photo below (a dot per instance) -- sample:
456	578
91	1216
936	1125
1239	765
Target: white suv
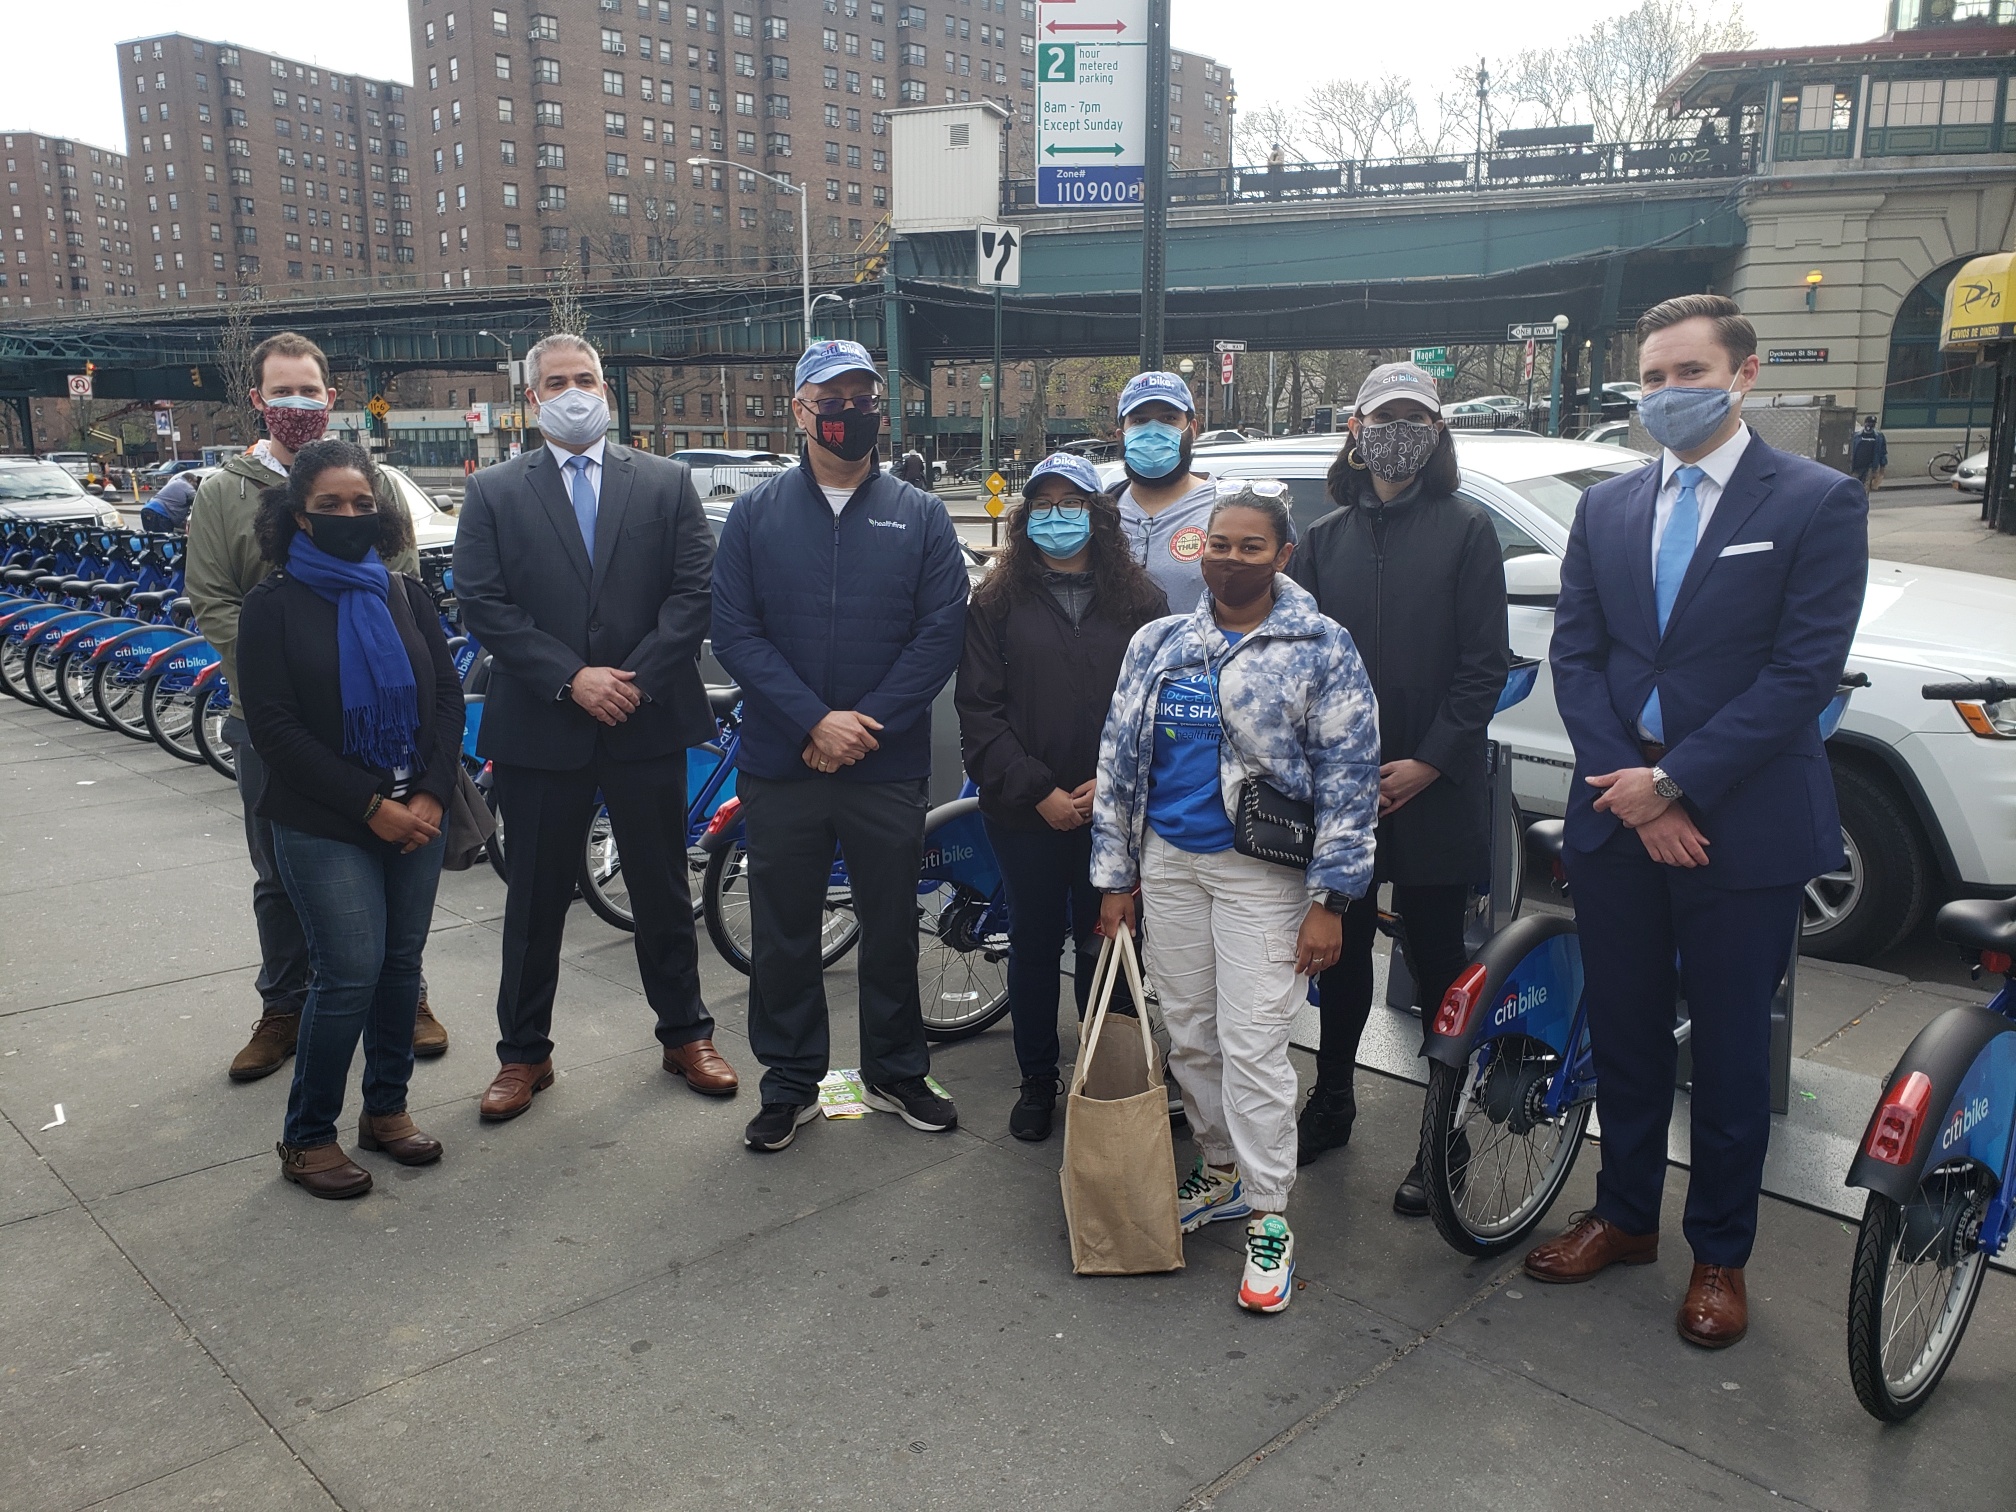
1927	790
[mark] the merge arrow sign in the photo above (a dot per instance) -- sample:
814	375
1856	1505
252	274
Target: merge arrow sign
1115	27
1114	151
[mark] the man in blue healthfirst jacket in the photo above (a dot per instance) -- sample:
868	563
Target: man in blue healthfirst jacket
1707	608
840	607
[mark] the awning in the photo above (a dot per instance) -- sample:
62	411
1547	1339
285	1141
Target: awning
1981	303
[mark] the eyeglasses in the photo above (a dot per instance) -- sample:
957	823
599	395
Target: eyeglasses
867	404
1265	488
1070	506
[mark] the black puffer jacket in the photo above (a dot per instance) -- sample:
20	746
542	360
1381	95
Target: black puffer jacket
1420	584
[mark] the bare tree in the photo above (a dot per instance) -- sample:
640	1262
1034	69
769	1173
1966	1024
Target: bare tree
1618	67
1352	118
1262	128
563	295
237	337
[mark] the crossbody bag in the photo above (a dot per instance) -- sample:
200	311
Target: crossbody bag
1267	824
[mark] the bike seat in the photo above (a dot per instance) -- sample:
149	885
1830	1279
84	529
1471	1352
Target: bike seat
1545	839
79	587
722	699
149	602
113	593
1979	923
19	577
49	582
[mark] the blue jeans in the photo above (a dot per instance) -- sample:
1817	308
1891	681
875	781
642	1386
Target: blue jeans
1048	876
366	914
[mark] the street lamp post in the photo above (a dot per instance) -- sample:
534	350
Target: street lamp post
817	301
1554	405
804	227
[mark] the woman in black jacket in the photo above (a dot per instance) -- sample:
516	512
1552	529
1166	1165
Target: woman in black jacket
353	704
1415	574
1045	636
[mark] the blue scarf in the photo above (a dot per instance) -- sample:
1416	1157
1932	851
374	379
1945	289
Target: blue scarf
381	707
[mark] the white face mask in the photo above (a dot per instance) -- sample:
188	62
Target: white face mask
574	417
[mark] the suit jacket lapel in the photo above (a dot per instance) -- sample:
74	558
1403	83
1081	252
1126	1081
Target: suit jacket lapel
1748	487
550	488
618	472
1639	508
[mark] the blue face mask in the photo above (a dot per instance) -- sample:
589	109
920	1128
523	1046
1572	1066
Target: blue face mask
1062	532
1680	419
1154	449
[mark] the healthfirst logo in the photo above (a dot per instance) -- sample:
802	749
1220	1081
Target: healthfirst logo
1518	1002
1962	1123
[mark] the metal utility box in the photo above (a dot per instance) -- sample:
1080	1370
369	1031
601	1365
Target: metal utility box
1807	425
945	167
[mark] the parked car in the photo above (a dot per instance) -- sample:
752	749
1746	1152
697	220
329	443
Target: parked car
723	472
1928	801
1222	438
1972	475
34	489
433	526
1610	433
1511	404
1475	414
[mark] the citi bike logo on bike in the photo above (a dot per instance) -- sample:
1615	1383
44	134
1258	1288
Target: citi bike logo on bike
1518	1002
1962	1122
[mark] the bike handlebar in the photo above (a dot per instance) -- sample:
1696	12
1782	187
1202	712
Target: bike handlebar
1987	690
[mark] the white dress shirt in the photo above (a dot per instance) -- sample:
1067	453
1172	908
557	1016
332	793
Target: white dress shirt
594	456
1719	467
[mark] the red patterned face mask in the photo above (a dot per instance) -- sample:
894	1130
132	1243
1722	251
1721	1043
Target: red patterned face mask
293	422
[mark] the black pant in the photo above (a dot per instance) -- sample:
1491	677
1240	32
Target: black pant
1048	876
1436	955
546	817
793	828
283	944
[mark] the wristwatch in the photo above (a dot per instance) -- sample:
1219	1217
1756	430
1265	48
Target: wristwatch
1665	786
1338	903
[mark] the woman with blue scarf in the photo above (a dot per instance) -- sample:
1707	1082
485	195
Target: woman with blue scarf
352	701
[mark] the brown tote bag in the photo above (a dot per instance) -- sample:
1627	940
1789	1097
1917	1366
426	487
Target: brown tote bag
1119	1164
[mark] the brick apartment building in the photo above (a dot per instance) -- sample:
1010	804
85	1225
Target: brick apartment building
67	244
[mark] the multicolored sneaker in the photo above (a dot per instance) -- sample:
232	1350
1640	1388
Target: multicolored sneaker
1270	1265
1208	1196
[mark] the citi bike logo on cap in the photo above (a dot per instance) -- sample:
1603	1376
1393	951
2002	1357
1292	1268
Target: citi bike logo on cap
1962	1123
1518	1002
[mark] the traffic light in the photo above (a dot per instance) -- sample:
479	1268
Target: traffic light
195	377
90	368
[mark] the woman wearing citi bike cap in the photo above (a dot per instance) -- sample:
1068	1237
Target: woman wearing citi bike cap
1413	572
1252	695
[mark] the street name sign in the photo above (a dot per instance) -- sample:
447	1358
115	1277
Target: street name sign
1443	370
1534	330
1422	356
1091	102
1795	354
998	257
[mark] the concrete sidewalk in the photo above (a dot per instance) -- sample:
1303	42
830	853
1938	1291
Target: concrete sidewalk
610	1304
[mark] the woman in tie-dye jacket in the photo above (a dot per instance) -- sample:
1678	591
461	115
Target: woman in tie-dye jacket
1254	682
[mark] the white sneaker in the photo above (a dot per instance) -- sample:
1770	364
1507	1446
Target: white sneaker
1208	1196
1270	1265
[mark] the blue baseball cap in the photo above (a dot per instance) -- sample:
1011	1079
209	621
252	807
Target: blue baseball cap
1066	465
1144	388
826	360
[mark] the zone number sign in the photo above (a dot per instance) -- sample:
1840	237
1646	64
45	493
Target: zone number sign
1091	102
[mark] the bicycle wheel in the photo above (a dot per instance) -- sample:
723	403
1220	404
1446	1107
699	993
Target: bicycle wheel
1491	1159
73	686
171	719
962	961
121	700
14	668
41	675
1944	465
724	905
602	881
1917	1272
207	728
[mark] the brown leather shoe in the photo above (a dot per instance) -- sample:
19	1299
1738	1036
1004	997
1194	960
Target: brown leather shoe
511	1092
267	1051
1716	1312
398	1136
430	1035
1589	1245
324	1171
701	1064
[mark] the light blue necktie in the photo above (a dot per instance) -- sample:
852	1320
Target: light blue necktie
583	494
1676	550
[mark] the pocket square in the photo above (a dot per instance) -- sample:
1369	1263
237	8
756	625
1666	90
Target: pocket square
1746	548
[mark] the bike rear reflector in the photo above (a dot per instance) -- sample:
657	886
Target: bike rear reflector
1460	1002
724	818
1996	961
1893	1132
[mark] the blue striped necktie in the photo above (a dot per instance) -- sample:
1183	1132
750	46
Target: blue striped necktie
1676	550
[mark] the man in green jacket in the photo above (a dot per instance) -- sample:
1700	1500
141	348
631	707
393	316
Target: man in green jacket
294	396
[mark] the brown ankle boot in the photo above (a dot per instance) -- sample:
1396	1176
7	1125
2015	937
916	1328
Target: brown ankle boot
430	1035
398	1136
324	1170
267	1051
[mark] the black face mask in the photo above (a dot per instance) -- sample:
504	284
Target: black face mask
849	435
348	538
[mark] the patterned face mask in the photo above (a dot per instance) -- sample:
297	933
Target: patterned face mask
1397	449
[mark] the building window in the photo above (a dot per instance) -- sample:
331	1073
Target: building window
500	23
506	111
502	63
614	123
745	104
612	41
1926	388
616	164
544	29
549	155
612	82
510	196
545	70
619	204
507	153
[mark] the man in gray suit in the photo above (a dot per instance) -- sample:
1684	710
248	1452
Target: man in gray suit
582	567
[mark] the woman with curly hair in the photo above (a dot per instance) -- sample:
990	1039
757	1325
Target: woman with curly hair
1045	635
353	704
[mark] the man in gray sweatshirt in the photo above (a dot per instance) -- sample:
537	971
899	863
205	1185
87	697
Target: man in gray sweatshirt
1164	506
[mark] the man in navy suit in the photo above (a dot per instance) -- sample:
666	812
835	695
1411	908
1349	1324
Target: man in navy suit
1707	608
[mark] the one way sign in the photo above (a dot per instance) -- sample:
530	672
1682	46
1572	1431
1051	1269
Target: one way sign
999	257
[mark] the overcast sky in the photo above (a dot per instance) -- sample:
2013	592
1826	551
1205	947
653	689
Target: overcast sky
58	74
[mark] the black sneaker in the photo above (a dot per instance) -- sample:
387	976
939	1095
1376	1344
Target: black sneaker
778	1124
1034	1109
1325	1123
913	1101
1410	1199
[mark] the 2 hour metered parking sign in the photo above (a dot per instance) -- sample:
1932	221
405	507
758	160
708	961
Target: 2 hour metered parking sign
1091	102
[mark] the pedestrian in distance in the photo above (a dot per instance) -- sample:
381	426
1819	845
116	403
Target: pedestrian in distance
1869	455
1252	693
168	510
840	607
1413	572
352	703
1045	635
292	395
582	568
1707	609
1164	506
913	469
